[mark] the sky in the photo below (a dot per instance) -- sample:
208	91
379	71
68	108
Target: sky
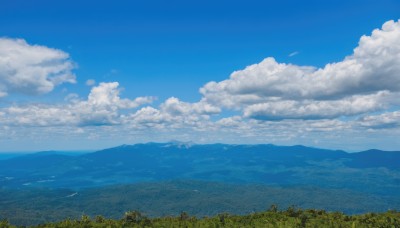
86	75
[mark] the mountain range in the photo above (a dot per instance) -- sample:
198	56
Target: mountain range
265	164
166	178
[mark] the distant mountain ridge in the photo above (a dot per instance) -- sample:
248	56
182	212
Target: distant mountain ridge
264	163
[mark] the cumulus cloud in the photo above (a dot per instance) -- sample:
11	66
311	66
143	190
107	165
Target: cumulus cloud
174	113
103	107
176	107
32	69
356	85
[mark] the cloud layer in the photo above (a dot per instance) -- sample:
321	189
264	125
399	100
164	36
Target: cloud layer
343	102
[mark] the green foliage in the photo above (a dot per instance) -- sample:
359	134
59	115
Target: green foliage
4	224
291	217
133	217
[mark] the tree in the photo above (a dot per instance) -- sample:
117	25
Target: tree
133	217
184	216
273	208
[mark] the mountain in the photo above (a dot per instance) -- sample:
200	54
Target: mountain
371	171
375	159
162	178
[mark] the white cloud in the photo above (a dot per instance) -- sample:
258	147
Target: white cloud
32	69
176	107
174	113
90	82
381	121
293	53
102	107
270	89
317	109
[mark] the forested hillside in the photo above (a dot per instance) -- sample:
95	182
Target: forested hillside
198	198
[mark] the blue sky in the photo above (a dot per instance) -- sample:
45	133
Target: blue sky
165	52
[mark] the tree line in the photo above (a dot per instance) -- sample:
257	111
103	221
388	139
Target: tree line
291	217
